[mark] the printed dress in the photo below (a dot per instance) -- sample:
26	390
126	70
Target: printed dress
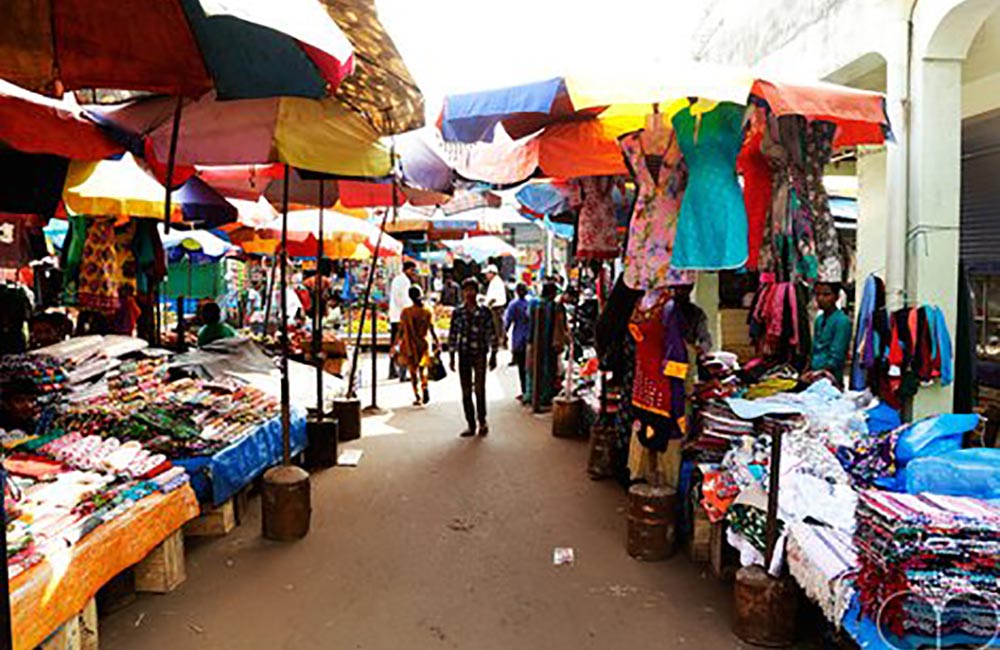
598	227
712	226
654	220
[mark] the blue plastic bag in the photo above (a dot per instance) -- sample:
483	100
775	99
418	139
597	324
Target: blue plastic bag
966	473
934	436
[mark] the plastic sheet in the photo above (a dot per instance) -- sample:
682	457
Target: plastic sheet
218	478
934	436
966	472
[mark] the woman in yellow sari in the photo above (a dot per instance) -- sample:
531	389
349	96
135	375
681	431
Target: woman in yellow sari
413	349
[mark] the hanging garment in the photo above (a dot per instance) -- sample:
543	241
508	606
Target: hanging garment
712	226
98	289
753	165
548	340
818	152
654	220
611	331
789	238
597	229
71	258
661	367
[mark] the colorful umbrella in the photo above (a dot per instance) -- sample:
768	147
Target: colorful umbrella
123	189
197	246
33	123
343	236
623	103
319	135
381	87
482	248
625	100
252	48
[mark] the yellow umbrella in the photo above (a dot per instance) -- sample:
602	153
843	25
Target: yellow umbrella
117	188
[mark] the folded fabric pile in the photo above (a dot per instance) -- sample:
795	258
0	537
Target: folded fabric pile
45	372
823	561
718	429
134	380
921	555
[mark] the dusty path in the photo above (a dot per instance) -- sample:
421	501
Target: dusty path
439	542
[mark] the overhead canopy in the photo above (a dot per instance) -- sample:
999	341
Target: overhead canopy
121	188
253	48
482	248
624	101
860	115
343	236
381	88
198	246
33	123
318	135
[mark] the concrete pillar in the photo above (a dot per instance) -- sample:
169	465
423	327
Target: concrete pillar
873	218
706	296
935	191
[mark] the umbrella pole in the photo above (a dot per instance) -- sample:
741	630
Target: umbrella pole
283	329
286	493
171	162
364	311
317	342
269	287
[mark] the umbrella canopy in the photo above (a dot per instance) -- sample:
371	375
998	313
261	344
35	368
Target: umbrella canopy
33	123
198	246
526	109
623	103
318	135
381	87
252	48
343	235
481	248
121	188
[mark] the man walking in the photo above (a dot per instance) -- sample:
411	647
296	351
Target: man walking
496	300
472	336
517	317
399	299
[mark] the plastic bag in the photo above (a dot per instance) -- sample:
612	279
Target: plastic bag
966	472
934	436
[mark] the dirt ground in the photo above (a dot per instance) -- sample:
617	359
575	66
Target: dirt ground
439	542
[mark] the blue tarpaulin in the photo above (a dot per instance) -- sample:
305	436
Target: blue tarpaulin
218	478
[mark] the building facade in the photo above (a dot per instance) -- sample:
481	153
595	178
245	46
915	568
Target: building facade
931	199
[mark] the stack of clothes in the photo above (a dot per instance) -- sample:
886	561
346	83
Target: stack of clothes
718	428
822	560
46	373
925	555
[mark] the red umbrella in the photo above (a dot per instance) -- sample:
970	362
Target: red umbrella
253	48
36	124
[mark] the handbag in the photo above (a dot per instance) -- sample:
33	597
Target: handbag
435	368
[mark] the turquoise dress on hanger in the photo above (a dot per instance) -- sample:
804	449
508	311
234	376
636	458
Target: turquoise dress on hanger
712	226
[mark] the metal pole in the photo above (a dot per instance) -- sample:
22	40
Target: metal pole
317	342
171	161
364	307
286	423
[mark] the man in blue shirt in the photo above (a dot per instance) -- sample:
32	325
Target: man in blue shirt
831	333
517	318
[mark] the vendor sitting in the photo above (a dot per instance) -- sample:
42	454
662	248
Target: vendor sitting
831	333
213	328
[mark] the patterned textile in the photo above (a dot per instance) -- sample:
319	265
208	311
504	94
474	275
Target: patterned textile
381	87
920	554
823	560
654	221
98	288
472	332
660	373
597	232
713	209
